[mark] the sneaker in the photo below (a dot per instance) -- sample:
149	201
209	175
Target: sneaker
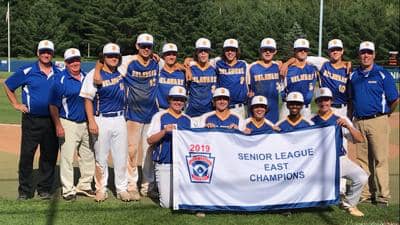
135	196
200	214
382	204
45	195
70	197
23	197
354	211
124	196
101	196
88	192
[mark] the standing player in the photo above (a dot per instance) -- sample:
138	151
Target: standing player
374	96
37	126
160	136
222	117
301	77
68	113
104	105
294	121
231	74
348	169
257	123
171	74
264	78
202	81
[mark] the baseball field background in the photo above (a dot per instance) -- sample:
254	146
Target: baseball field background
146	211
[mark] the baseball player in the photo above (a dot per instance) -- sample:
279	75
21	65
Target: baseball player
37	128
301	77
68	113
348	169
257	123
222	117
294	121
202	81
231	74
265	79
171	74
160	136
104	105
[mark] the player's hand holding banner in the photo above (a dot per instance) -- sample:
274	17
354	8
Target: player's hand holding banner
215	170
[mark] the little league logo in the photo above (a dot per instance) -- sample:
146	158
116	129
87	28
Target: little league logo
200	167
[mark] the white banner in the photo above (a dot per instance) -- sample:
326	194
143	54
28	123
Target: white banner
215	170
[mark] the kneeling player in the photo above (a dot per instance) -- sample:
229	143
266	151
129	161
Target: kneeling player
160	136
348	169
257	123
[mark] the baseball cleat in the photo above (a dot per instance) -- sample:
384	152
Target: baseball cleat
135	196
101	196
124	196
354	211
88	193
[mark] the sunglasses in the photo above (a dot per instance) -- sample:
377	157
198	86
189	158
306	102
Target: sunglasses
178	99
301	50
145	46
271	50
335	49
46	52
368	52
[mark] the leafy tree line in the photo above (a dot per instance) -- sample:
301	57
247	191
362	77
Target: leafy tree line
78	23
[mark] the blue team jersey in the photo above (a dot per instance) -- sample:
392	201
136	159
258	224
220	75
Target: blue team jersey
141	89
163	150
257	127
372	92
166	81
329	120
219	121
233	78
265	81
302	80
336	81
110	95
286	125
65	95
201	90
35	87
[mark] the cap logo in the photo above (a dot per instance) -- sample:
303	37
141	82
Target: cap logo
180	90
231	41
334	42
113	48
303	42
366	44
322	91
46	43
268	41
170	46
222	91
204	42
72	51
147	38
295	96
260	99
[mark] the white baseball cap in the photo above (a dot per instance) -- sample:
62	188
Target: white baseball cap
177	91
259	100
335	43
301	43
169	47
71	53
221	92
323	92
268	43
203	43
145	39
231	43
367	45
45	45
295	97
110	49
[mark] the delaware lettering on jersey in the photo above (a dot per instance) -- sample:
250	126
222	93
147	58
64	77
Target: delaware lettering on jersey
201	88
141	89
163	151
286	125
265	81
233	78
64	94
166	81
219	121
302	80
336	81
259	127
110	96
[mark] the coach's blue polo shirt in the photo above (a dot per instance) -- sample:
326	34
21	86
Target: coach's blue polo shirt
65	95
372	92
35	87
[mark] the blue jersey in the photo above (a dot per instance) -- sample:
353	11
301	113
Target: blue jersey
141	89
265	81
166	81
302	80
336	81
201	90
163	151
35	88
64	95
233	78
220	122
372	92
286	125
259	127
110	95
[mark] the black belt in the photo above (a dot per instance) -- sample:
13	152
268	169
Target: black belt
112	114
370	117
338	106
